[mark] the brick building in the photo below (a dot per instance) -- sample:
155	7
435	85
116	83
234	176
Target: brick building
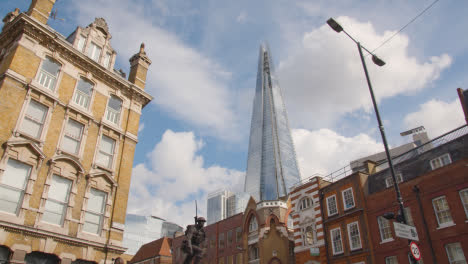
68	131
345	220
434	187
305	219
154	252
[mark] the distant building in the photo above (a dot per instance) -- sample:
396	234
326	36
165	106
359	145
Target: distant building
68	131
222	204
155	252
140	230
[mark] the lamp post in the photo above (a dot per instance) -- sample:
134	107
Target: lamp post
338	28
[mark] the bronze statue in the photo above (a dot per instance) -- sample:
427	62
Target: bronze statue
192	244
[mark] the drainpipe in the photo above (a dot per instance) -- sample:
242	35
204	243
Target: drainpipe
426	228
325	232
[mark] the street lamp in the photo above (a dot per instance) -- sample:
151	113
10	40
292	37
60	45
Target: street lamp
338	28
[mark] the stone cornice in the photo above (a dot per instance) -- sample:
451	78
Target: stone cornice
55	42
35	232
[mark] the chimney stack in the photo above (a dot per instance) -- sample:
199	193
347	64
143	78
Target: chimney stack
139	64
40	10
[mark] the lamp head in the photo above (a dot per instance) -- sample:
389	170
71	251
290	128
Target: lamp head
334	25
377	61
389	215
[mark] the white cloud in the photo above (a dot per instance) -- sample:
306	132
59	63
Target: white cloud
438	117
185	83
141	127
324	75
242	17
175	177
324	151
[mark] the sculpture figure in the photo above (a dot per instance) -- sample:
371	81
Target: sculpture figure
192	245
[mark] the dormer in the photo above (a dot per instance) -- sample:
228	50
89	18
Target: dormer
94	42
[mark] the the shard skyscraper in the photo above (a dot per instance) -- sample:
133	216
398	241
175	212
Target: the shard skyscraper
271	166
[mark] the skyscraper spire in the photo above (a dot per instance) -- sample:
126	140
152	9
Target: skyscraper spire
271	166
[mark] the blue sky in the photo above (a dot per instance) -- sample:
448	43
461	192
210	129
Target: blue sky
194	134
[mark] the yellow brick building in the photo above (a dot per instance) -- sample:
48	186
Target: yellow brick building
68	131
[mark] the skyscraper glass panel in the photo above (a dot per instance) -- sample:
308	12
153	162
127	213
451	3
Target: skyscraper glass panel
271	165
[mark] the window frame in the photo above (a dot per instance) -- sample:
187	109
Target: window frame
111	155
109	110
465	205
90	53
343	194
395	258
454	261
44	125
77	93
22	191
350	235
328	205
305	203
440	160
101	214
81	140
84	38
335	252
221	240
389	180
445	224
253	224
64	203
383	220
41	72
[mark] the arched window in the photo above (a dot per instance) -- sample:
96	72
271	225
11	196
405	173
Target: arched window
253	225
49	73
83	93
114	106
305	203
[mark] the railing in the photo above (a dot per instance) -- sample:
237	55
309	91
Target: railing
436	142
47	80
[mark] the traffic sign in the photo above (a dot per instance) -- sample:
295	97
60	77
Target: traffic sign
414	249
405	231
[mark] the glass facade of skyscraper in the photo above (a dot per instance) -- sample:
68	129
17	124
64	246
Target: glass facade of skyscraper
271	166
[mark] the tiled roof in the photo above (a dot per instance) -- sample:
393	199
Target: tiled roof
160	247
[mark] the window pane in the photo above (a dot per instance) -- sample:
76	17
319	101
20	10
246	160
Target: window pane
115	103
90	227
59	190
331	204
442	210
93	218
455	253
104	160
464	200
16	174
70	145
96	201
51	66
81	43
54	212
74	129
348	199
106	61
36	111
107	145
384	228
9	199
85	86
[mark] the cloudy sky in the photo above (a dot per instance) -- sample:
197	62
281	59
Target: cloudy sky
194	134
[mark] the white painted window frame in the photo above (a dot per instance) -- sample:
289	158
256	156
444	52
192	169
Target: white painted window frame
335	252
328	205
358	235
350	189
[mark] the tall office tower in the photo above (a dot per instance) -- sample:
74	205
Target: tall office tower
271	166
216	206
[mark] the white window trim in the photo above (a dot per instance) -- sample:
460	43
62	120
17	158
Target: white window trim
446	251
66	204
110	123
440	158
35	80
98	60
333	244
84	135
311	203
328	205
114	155
349	236
86	111
464	206
101	227
17	130
26	192
385	259
447	224
344	200
389	180
382	240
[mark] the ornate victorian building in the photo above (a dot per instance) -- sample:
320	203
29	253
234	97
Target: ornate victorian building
68	131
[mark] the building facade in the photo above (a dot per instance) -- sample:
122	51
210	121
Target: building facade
271	164
305	218
68	132
434	187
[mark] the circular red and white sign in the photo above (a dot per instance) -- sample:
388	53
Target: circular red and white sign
415	251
